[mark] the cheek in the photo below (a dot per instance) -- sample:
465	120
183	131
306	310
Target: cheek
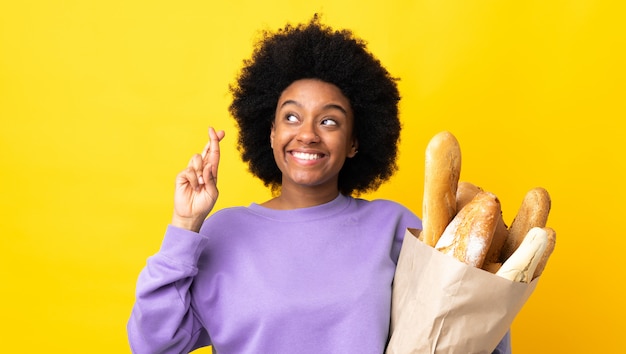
280	136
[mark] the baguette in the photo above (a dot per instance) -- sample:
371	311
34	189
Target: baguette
549	249
532	213
493	257
522	264
470	233
465	193
441	178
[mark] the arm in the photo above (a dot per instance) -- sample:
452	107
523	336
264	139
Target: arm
504	347
162	319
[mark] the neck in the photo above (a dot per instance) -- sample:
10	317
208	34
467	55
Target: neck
301	198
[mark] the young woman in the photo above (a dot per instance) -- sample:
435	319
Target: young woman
310	270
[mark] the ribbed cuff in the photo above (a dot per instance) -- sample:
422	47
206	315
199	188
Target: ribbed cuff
182	245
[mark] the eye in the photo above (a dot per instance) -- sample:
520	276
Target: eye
291	118
329	122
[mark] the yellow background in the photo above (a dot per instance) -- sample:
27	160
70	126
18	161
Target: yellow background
103	102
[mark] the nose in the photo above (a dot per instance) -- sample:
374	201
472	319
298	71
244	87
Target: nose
307	134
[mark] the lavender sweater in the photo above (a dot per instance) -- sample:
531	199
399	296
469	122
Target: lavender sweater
257	280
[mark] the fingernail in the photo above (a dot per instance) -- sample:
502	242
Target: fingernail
200	180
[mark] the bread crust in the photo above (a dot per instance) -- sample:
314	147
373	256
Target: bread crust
493	257
522	264
470	233
441	178
532	213
547	253
464	194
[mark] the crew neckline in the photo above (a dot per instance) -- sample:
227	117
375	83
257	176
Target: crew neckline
330	208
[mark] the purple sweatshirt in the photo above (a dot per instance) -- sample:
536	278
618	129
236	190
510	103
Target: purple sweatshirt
258	280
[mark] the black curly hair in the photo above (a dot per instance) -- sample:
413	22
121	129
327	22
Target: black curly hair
316	51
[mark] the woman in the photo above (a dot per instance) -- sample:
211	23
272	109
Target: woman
310	270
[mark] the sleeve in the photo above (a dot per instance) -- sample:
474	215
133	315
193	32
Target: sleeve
162	319
407	220
504	347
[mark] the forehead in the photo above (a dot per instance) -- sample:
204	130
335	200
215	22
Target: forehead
308	92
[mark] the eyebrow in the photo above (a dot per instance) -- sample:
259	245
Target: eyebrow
325	107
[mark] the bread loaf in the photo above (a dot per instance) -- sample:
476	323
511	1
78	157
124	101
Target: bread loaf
441	178
465	193
547	253
532	213
521	265
470	233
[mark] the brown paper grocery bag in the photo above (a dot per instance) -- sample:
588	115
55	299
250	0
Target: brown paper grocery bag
441	305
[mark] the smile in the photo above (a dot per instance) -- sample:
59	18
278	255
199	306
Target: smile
306	155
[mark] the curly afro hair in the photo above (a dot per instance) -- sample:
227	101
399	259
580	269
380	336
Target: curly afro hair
316	51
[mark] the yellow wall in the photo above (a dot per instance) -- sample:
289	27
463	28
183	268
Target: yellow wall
103	102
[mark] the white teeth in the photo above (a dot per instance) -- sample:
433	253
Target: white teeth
306	156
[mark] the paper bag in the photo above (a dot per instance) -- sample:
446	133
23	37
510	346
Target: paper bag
441	305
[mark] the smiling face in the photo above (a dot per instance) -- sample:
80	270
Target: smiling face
312	135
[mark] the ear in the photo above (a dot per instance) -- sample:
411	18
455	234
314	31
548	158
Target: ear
354	148
272	131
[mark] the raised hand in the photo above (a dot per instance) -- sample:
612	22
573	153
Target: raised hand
196	186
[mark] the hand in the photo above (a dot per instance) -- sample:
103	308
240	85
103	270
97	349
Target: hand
196	186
